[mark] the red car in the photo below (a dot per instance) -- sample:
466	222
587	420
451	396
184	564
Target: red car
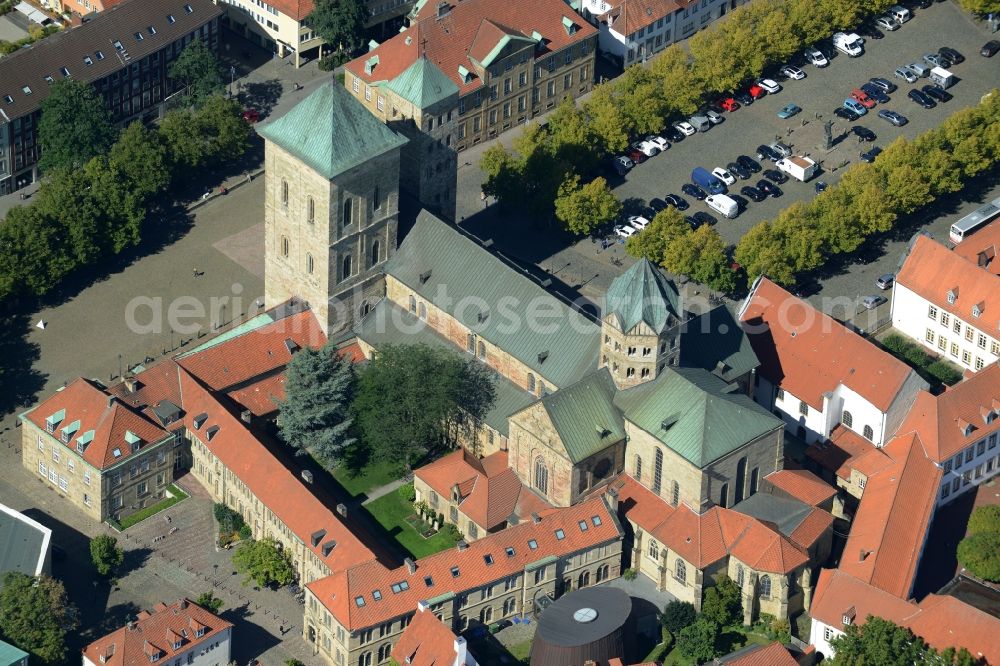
251	115
863	98
728	104
756	91
637	156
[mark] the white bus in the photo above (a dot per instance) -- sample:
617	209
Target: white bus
974	220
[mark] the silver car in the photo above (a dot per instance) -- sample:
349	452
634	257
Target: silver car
887	23
714	117
905	74
872	302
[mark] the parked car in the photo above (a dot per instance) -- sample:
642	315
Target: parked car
738	170
820	186
677	201
896	119
765	152
714	117
646	147
703	218
875	92
638	222
862	98
621	164
693	190
744	98
636	155
793	72
921	98
937	92
871	31
789	110
886	85
728	104
756	91
769	188
846	114
855	106
937	60
748	163
990	48
684	127
870	155
741	202
887	23
674	134
624	230
919	69
951	54
883	282
776	176
815	57
770	85
724	175
872	302
658	204
905	74
863	133
658	141
251	115
691	221
752	193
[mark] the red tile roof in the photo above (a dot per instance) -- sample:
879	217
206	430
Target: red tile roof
490	491
426	641
156	632
765	549
931	270
151	386
802	484
808	353
339	592
844	450
837	592
982	248
628	16
262	396
105	415
892	521
940	420
812	528
471	28
297	9
772	654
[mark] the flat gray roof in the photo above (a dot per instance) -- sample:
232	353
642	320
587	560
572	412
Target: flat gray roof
23	543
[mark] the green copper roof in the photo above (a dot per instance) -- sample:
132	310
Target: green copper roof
331	131
694	413
249	325
643	294
423	84
499	302
715	341
585	415
10	655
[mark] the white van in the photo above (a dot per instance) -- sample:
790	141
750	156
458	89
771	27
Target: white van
723	205
901	14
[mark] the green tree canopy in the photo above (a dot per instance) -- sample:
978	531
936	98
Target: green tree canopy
341	23
980	7
315	415
698	641
984	518
701	254
677	615
75	126
665	229
36	615
980	554
213	134
415	398
106	554
878	641
584	208
209	601
197	69
722	604
264	563
139	159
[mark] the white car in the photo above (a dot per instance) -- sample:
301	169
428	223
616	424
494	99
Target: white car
638	222
659	141
770	85
646	147
685	127
724	175
815	57
624	230
714	117
905	74
792	72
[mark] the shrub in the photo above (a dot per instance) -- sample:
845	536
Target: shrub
916	356
630	574
985	519
780	630
980	554
210	601
245	532
407	492
944	373
722	603
896	343
698	641
677	615
229	521
332	61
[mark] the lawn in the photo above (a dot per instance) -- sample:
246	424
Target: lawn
391	512
489	650
730	641
165	503
372	475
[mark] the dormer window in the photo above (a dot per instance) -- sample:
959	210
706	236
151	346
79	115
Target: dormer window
99	55
138	37
188	9
119	45
26	90
199	632
977	310
952	295
87	60
171	19
64	71
8	99
49	79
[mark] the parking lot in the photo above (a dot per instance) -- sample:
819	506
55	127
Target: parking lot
943	24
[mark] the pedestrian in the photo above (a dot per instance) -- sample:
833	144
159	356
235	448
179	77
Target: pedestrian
196	272
482	197
206	195
248	176
281	629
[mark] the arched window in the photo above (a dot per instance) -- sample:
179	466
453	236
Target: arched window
542	391
739	576
486	615
310	210
541	476
724	496
365	659
658	471
638	467
531	382
509	606
602	573
413	304
376	252
741	479
347	267
348	211
376	198
847	419
675	493
754	478
310	264
680	571
470	342
869	433
584	579
482	350
384	651
653	550
423	311
365	308
284	194
765	586
284	246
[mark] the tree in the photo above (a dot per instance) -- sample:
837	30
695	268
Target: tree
75	126
36	616
264	563
209	601
315	414
215	133
140	159
980	7
414	398
604	115
980	554
722	604
197	69
878	641
681	89
35	254
984	519
666	228
106	554
703	256
697	641
341	23
584	208
677	615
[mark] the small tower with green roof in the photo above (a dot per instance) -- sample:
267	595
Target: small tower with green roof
641	325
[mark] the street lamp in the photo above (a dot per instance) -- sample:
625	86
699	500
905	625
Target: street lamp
232	76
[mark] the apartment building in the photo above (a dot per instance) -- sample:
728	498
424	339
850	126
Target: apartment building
82	7
949	300
124	52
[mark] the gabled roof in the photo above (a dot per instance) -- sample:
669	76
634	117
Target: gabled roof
696	414
837	592
772	654
629	16
585	416
331	131
444	266
296	9
491	39
931	271
846	450
423	84
801	484
808	353
426	641
643	294
982	247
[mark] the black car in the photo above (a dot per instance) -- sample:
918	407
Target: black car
775	176
769	188
677	201
921	98
691	221
752	193
658	204
743	98
990	48
896	119
863	133
870	155
951	54
703	219
886	85
740	201
846	114
937	92
767	153
748	163
694	191
875	92
872	31
739	170
673	134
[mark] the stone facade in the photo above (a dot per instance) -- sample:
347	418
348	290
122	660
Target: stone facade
450	508
638	355
532	445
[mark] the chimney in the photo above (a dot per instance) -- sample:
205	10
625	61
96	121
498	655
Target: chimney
111	401
131	383
342	510
422	606
411	566
612	498
246	416
462	545
183	603
535	518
